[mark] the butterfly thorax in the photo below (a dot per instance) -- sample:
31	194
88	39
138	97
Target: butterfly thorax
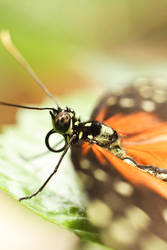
66	123
102	135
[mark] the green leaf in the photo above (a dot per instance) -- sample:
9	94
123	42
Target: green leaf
63	201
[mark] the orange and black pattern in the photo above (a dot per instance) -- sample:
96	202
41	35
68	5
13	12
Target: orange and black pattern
128	194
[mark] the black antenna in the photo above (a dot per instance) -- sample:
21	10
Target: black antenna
7	43
26	107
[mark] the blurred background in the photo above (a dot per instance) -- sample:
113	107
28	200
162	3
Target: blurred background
74	45
77	44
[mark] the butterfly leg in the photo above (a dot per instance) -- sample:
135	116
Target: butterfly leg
54	171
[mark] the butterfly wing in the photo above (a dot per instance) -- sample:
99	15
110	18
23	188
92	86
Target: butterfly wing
139	115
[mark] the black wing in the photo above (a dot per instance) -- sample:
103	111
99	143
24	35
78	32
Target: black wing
129	217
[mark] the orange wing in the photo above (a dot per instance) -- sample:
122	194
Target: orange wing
139	115
144	137
132	173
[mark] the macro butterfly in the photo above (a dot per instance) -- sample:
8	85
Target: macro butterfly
135	212
121	155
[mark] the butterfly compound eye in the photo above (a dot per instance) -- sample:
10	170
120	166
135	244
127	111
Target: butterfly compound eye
62	122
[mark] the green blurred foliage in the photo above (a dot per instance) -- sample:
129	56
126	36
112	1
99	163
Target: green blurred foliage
63	200
71	44
95	24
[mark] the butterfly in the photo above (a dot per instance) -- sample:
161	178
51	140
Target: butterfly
123	143
130	192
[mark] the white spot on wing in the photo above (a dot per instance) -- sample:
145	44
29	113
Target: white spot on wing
127	102
160	95
112	100
85	164
100	175
123	188
103	211
148	106
138	217
146	91
121	230
125	229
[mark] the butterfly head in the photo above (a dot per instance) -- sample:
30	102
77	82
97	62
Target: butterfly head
62	120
